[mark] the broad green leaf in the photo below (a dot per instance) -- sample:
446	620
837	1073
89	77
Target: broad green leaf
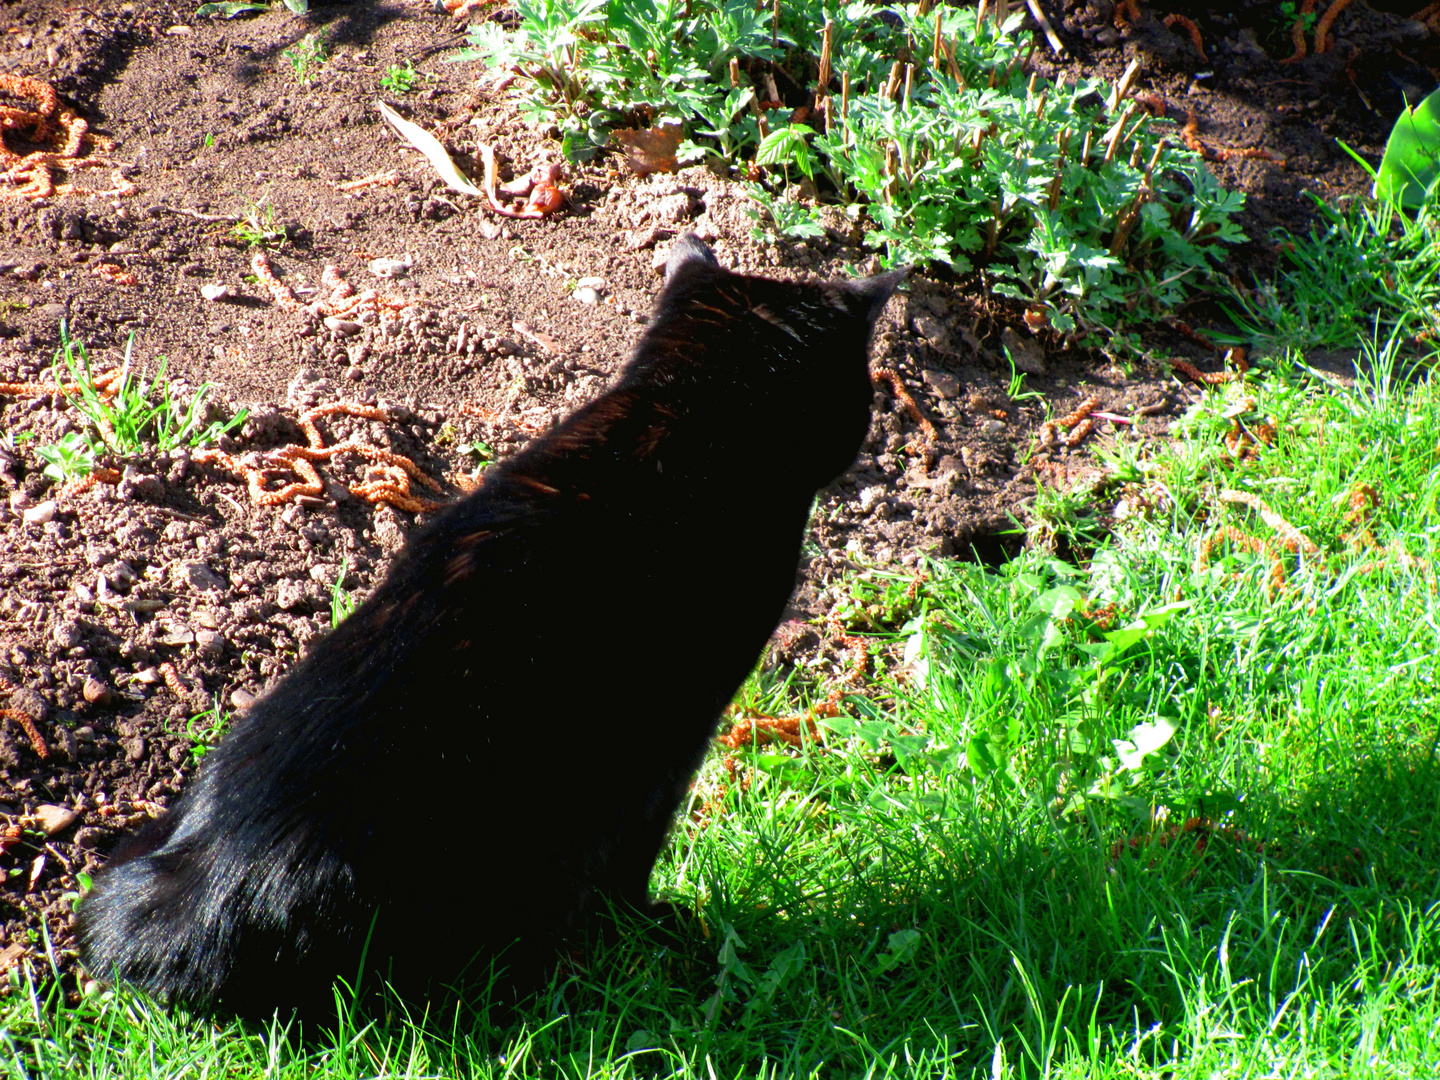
1411	164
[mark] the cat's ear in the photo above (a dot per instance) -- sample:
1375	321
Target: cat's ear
869	295
688	255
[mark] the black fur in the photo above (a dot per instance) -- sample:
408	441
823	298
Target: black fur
495	743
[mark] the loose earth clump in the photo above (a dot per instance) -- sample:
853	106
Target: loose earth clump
260	227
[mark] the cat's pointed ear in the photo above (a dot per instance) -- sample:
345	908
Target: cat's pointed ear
688	255
872	293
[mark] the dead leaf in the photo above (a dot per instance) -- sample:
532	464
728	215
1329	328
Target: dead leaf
431	147
36	869
11	954
650	150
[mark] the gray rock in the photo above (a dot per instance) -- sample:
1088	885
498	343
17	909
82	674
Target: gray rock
1027	355
29	702
199	576
211	643
942	383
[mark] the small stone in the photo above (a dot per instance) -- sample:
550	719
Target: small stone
97	691
1027	356
390	268
199	576
242	699
50	312
121	575
147	676
291	596
218	292
992	427
66	634
342	326
870	496
942	383
40	513
55	819
89	837
936	332
355	374
590	283
586	295
177	635
206	618
134	748
30	703
210	643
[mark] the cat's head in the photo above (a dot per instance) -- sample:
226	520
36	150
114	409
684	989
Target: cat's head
691	260
790	357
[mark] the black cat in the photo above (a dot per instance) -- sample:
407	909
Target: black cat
494	744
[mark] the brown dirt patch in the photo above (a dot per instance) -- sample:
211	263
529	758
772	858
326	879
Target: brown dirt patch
133	606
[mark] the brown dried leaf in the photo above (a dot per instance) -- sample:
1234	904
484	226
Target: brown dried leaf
650	150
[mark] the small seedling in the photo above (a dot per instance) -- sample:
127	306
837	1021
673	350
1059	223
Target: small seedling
209	140
483	453
69	459
307	56
256	227
342	601
1015	390
1290	11
400	80
204	729
230	8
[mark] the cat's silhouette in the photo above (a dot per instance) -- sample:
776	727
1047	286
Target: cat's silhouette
494	744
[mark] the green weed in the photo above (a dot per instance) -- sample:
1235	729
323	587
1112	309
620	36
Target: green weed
205	729
256	226
400	80
307	56
139	413
342	601
230	8
69	459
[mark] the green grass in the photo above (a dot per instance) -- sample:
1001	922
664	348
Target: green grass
982	869
136	414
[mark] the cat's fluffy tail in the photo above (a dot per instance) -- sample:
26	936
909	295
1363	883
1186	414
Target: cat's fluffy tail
153	921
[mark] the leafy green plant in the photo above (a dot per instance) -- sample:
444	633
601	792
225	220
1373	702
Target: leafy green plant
1069	197
1410	167
135	412
776	215
1290	11
230	8
307	56
400	80
69	459
482	452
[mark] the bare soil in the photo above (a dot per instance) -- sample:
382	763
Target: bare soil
129	609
